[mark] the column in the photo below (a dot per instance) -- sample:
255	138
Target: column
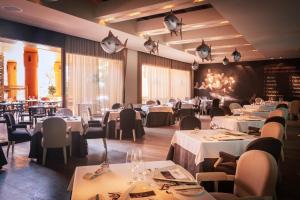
12	79
31	72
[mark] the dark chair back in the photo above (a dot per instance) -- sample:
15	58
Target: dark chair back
282	105
216	103
178	105
190	123
116	106
216	111
268	144
158	102
10	120
127	119
277	119
186	112
105	119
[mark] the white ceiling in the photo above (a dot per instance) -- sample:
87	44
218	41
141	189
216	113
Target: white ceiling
257	28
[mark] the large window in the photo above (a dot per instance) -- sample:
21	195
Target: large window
164	83
93	81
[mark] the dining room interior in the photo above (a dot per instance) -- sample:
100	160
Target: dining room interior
156	99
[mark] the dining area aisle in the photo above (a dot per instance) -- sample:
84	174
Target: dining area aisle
52	181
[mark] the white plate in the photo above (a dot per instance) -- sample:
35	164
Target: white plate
188	178
188	190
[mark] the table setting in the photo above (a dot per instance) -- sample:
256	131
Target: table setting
237	123
137	180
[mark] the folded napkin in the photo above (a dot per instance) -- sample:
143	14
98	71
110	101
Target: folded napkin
104	168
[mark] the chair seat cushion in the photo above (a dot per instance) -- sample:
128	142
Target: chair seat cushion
19	135
223	196
94	132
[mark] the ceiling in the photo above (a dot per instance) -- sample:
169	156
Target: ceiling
258	30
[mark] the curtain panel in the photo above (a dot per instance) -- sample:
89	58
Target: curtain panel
174	67
93	77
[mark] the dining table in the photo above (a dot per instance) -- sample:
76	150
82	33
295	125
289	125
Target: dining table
251	112
79	143
237	123
116	183
114	120
191	148
158	115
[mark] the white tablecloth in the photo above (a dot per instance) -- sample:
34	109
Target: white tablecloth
203	146
251	112
263	107
115	114
73	122
237	123
116	181
148	108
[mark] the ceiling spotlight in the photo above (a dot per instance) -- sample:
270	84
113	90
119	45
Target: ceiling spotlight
225	61
195	65
236	56
168	6
134	14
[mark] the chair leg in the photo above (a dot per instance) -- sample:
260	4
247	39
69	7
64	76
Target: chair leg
133	135
44	155
65	155
7	150
116	133
13	147
121	134
70	150
105	146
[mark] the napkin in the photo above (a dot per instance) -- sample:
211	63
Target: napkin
104	168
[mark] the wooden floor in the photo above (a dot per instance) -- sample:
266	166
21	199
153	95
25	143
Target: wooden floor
23	179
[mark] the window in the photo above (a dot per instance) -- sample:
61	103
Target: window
164	83
93	81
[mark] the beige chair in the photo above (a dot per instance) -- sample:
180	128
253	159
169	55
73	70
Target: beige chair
294	109
277	113
56	135
255	178
65	112
274	130
234	106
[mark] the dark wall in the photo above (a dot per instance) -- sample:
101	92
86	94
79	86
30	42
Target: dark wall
268	78
17	31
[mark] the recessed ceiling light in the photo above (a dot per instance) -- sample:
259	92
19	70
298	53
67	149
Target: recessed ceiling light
254	50
11	9
134	14
168	6
197	1
109	19
224	22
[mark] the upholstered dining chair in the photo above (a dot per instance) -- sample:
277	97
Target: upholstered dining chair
272	129
189	123
158	102
17	133
116	106
280	120
56	135
97	132
256	176
127	123
65	112
227	163
234	106
277	112
294	109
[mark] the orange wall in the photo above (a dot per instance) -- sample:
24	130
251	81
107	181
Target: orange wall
12	78
31	72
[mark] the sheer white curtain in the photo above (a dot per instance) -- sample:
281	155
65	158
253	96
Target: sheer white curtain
93	80
155	83
180	83
111	81
164	83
